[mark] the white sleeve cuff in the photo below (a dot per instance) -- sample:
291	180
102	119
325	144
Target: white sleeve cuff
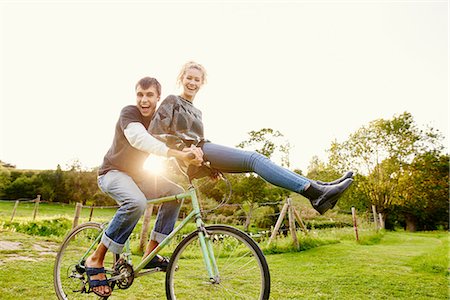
139	138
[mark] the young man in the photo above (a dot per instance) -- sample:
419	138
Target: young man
122	177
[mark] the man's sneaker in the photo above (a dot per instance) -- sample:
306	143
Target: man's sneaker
158	262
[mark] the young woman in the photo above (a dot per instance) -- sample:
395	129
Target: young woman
179	124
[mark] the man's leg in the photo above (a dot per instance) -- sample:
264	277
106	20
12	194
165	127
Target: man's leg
150	247
168	212
132	201
95	260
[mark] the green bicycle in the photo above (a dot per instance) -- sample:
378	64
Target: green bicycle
221	261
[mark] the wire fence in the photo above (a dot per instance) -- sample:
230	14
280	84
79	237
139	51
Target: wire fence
288	210
38	201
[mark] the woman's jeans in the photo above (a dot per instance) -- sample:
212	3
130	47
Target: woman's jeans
132	198
131	195
232	160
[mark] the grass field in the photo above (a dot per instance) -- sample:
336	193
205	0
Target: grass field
392	265
401	266
46	210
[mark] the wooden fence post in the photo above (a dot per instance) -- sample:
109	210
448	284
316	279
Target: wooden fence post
36	206
78	208
380	217
375	221
145	226
355	225
299	220
278	223
91	213
14	210
292	223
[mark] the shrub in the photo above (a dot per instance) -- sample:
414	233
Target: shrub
284	244
327	224
263	217
54	227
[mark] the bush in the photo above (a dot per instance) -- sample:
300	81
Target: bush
327	224
56	227
263	217
284	244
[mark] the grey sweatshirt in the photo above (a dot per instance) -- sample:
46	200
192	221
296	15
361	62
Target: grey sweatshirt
178	123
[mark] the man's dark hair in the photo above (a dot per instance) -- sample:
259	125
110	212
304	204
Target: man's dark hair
147	82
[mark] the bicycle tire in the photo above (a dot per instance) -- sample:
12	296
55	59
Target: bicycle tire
235	252
66	277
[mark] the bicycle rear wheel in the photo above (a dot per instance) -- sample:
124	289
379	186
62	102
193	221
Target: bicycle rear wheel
69	276
243	270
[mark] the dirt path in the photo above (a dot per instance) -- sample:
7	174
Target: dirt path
16	246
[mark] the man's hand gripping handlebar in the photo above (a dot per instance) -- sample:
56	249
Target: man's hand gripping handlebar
189	156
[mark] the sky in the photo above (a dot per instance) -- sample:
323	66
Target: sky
314	70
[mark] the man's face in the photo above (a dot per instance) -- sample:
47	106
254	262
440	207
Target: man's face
146	100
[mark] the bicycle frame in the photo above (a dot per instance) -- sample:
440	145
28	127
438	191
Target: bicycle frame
205	242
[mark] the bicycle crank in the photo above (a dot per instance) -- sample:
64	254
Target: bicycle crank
124	274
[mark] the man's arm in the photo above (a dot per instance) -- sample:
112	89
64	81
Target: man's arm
139	138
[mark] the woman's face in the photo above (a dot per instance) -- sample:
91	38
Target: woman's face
192	81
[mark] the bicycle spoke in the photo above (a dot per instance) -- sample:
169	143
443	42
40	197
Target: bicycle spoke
243	272
70	279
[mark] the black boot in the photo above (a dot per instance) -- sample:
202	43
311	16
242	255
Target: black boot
325	197
349	174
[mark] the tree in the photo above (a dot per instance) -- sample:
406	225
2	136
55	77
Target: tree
424	192
251	189
319	170
5	180
52	185
24	186
382	152
80	184
268	142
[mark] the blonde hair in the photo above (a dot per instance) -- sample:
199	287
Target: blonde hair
191	65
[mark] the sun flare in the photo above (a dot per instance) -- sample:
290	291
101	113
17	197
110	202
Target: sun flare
155	164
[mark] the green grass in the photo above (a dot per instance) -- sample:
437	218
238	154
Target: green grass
391	269
399	266
24	212
330	265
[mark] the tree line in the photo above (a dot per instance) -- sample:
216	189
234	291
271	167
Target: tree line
74	185
399	167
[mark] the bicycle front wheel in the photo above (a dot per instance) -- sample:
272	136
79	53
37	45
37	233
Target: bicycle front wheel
243	270
69	276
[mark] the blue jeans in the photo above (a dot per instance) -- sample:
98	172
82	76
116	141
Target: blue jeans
233	160
132	198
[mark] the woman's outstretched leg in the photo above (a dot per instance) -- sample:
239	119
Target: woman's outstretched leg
232	160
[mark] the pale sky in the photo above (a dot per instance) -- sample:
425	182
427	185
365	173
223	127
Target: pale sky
314	70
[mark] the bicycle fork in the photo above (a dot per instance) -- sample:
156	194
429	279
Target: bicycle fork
209	259
206	243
